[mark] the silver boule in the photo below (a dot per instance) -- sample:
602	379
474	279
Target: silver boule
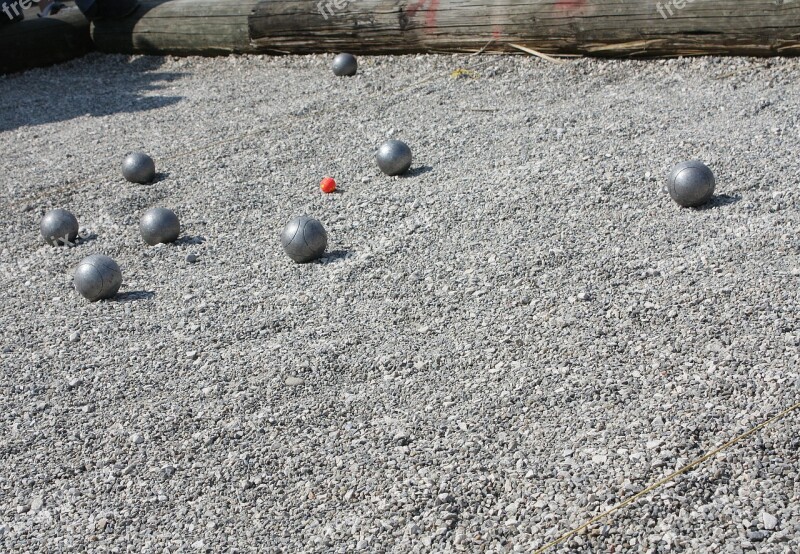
159	225
138	167
344	65
691	183
394	157
304	239
97	277
59	227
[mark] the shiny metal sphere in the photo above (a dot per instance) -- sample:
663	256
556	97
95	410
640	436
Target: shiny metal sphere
159	225
344	65
97	277
59	227
138	167
304	239
394	157
691	183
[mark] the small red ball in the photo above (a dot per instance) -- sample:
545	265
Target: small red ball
327	185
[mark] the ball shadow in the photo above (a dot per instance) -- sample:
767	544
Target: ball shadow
88	238
188	240
134	296
719	201
417	171
160	176
335	255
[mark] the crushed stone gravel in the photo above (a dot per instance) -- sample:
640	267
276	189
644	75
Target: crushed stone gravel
516	335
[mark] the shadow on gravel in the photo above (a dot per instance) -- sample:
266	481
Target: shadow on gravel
719	201
197	239
417	171
160	176
134	295
65	92
88	238
335	255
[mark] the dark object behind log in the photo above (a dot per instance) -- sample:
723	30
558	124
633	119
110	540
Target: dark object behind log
44	41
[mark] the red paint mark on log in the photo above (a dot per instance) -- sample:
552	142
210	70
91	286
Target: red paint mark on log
570	5
430	17
412	9
431	7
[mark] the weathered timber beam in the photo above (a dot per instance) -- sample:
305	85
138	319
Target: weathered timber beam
592	27
179	27
589	27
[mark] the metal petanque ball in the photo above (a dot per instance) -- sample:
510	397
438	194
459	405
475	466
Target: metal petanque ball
394	157
159	225
691	183
344	65
138	167
304	239
97	277
59	227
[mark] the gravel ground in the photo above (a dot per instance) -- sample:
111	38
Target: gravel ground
510	339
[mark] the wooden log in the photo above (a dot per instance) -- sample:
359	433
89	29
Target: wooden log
585	27
179	27
38	42
574	27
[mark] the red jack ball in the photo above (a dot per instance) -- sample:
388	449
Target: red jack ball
327	185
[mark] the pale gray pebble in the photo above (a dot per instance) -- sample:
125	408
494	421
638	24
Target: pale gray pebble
37	503
769	520
191	258
294	381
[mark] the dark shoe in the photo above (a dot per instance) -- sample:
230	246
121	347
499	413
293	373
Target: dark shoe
107	9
